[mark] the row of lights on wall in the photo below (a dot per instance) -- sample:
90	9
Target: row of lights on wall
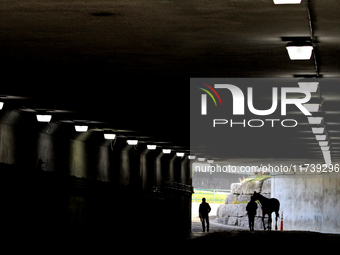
318	128
303	51
107	136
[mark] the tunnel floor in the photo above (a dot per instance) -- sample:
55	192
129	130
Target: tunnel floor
224	238
262	242
219	239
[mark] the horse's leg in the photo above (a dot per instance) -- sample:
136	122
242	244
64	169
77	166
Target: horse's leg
269	221
277	215
264	227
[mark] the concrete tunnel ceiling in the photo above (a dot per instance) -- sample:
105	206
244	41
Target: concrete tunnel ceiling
127	64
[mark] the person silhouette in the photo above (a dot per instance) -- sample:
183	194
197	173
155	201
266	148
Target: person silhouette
204	211
251	210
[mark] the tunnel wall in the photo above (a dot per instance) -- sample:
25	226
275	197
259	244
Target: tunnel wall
85	184
309	202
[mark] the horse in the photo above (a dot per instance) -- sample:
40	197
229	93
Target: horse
269	205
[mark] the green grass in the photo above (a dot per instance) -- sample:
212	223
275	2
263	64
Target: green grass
209	196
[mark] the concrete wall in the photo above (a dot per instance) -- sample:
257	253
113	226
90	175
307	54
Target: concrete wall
85	182
309	202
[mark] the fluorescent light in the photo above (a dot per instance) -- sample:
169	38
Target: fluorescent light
191	157
1	105
308	84
179	154
44	117
110	136
320	137
323	143
166	151
210	161
327	157
287	1
312	107
318	130
80	128
325	148
132	142
303	52
151	147
201	159
315	120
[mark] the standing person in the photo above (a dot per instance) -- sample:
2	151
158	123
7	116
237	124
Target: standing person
204	211
251	209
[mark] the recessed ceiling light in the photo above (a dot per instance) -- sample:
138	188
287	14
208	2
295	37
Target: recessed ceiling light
309	84
327	157
312	107
299	52
151	146
110	136
166	151
179	154
287	1
323	143
320	137
81	128
318	130
314	120
44	117
132	142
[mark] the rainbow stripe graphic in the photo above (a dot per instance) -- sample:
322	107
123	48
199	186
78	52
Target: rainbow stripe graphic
209	93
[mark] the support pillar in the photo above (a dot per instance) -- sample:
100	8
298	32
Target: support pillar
162	169
129	174
147	168
185	171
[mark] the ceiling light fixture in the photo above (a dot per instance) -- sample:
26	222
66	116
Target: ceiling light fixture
318	130
210	161
311	85
314	120
323	143
191	157
299	52
320	137
151	146
312	107
81	128
287	1
201	159
132	142
110	136
44	117
327	157
166	151
1	105
179	154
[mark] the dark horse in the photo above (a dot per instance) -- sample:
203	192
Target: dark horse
269	205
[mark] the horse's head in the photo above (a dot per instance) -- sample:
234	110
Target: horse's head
256	195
